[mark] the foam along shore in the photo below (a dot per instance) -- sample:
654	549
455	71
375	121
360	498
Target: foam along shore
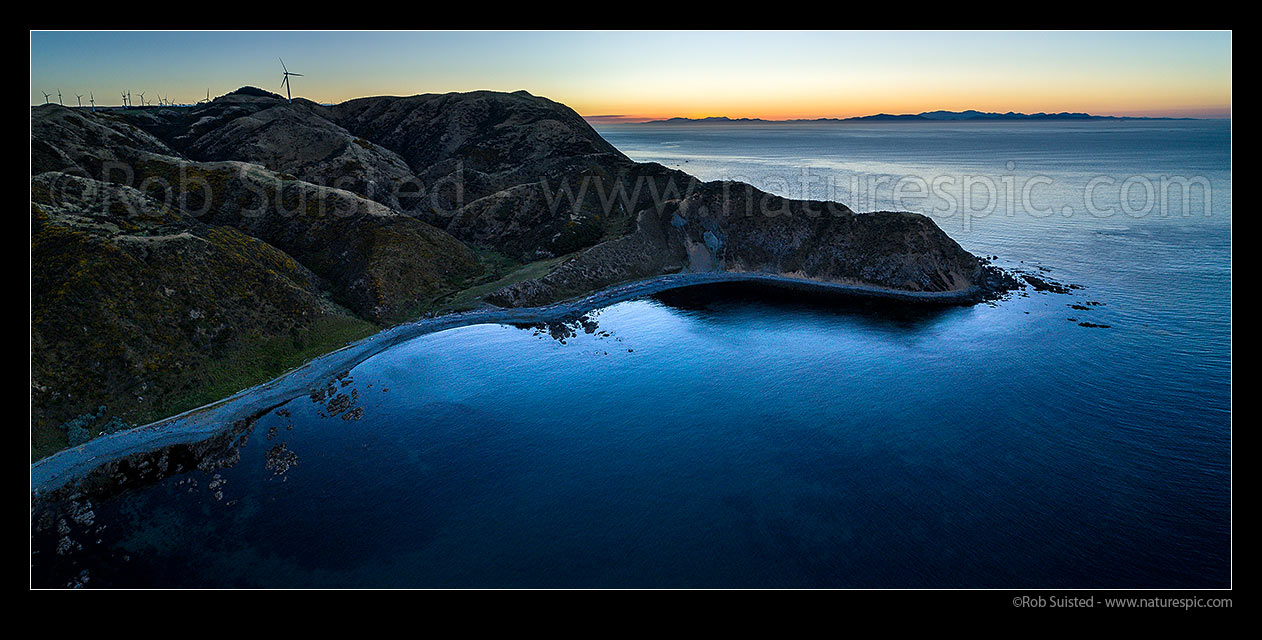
206	422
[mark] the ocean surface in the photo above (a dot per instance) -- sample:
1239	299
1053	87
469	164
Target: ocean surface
734	437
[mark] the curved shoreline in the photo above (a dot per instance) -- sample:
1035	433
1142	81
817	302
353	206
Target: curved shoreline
205	422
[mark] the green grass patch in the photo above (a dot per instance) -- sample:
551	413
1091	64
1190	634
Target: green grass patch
251	362
46	439
500	271
257	360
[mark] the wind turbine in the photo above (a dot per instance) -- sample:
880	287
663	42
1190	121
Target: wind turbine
160	100
142	98
59	98
285	81
92	101
46	94
79	97
208	95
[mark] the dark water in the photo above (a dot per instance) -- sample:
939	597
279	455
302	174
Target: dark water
729	438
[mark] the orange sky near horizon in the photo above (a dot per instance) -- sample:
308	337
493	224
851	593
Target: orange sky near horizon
783	98
772	75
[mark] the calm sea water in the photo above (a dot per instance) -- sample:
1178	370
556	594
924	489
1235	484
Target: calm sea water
734	438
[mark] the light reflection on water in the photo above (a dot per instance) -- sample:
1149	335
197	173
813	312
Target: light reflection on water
712	439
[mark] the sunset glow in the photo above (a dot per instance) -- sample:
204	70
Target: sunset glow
650	75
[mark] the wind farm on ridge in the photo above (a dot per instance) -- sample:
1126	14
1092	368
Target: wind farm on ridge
127	101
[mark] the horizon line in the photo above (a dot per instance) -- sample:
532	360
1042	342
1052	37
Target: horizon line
635	119
1222	112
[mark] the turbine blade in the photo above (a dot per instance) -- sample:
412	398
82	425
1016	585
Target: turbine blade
282	64
295	74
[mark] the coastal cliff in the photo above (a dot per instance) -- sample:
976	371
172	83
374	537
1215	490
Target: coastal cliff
182	253
732	227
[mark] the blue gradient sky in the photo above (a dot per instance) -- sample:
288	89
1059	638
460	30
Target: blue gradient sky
662	74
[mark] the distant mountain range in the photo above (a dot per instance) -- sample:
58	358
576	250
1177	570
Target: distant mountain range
924	116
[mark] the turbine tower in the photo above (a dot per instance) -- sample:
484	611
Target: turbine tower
79	97
285	80
46	94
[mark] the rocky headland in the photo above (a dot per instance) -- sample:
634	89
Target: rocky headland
181	254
